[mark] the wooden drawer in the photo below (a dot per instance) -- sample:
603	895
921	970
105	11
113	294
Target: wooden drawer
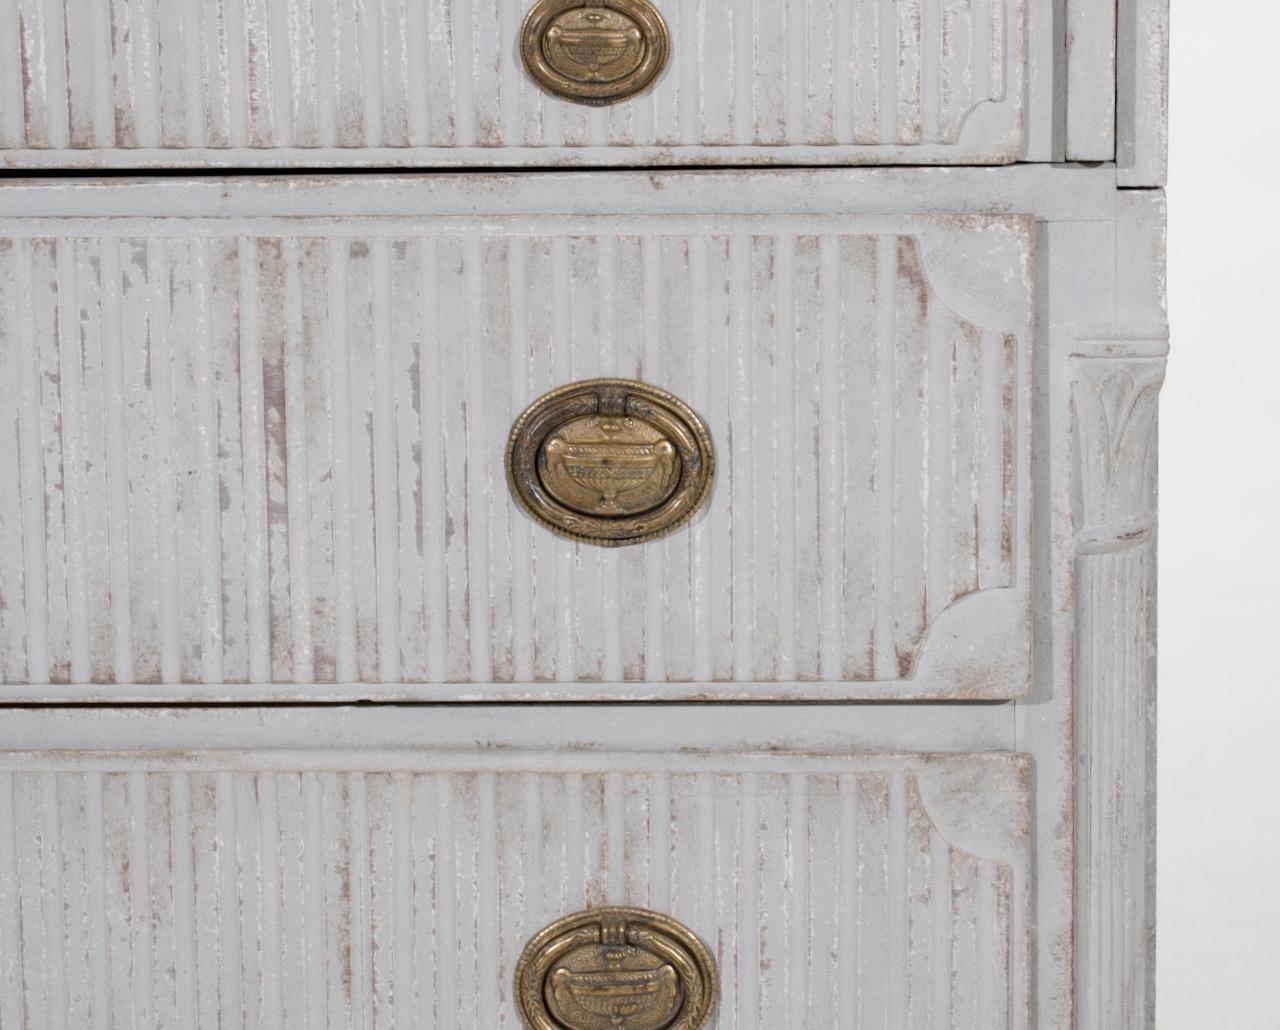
271	433
245	83
167	870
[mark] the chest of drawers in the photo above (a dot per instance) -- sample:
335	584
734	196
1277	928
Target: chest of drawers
639	522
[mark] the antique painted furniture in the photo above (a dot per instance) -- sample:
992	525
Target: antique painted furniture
579	514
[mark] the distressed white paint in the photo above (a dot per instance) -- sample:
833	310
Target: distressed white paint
1114	401
1098	296
1091	80
1142	113
865	381
253	82
315	887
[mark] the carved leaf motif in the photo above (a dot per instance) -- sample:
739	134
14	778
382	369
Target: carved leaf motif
1115	411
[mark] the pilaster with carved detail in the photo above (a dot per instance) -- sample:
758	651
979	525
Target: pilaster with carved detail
1115	390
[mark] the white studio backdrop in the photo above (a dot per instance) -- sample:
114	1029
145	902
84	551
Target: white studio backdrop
1219	805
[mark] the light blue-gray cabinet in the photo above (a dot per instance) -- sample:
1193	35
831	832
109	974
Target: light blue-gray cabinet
313	722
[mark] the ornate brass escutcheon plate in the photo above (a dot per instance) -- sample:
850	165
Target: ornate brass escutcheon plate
594	51
610	461
616	969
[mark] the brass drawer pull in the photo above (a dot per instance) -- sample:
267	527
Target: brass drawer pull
623	968
594	51
610	461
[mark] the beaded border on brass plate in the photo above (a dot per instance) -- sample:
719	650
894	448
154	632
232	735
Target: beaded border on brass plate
616	967
610	461
594	52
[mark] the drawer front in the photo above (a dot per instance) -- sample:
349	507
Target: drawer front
272	452
342	82
324	887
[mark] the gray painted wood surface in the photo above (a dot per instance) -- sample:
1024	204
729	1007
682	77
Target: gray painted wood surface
254	82
1142	115
267	458
250	442
212	869
1053	787
304	498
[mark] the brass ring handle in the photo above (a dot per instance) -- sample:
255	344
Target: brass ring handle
616	967
594	51
610	461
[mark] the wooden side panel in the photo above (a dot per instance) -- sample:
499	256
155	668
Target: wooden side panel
1142	116
1091	80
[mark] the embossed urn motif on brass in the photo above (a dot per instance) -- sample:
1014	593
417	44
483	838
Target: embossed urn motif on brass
610	461
594	51
616	969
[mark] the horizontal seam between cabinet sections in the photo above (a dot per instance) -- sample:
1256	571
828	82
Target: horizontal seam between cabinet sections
89	172
500	705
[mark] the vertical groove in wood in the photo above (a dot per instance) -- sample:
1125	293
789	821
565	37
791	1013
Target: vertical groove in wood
269	866
70	371
487	888
11	1008
55	929
205	398
446	913
95	864
384	468
12	117
141	916
160	369
310	993
344	595
800	924
117	466
54	63
30	479
359	888
700	398
899	944
740	454
231	985
404	1010
830	471
561	321
183	901
849	902
788	455
991	515
296	487
521	529
252	435
464	127
479	629
431	374
655	553
886	388
939	540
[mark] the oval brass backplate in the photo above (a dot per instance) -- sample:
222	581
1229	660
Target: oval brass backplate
616	969
610	461
594	51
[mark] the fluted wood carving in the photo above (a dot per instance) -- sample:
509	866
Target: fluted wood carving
1114	400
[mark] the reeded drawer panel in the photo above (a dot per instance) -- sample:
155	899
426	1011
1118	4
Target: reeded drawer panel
271	450
269	83
323	887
